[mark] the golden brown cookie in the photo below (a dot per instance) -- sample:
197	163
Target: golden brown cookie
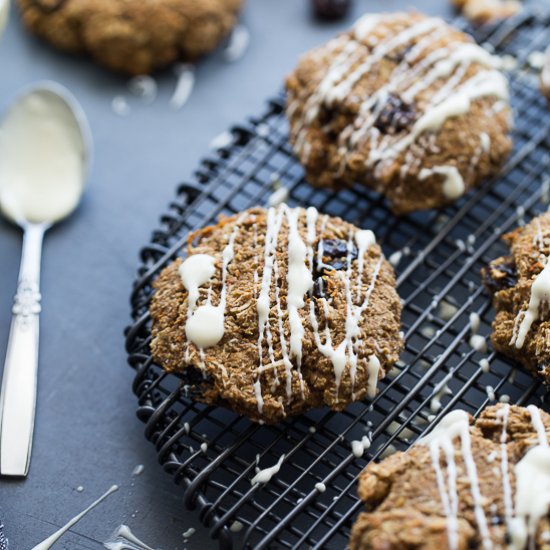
520	285
404	104
467	485
132	37
276	312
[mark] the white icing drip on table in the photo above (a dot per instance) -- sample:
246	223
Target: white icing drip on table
124	539
52	539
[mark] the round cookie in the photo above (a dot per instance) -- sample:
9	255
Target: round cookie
132	37
465	485
520	285
404	104
276	312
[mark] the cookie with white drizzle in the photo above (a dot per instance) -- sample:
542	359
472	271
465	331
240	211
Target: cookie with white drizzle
276	312
404	104
520	286
482	484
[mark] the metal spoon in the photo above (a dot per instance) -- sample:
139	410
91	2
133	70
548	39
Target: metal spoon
45	145
4	12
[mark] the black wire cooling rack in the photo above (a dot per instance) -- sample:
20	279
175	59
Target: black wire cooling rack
212	453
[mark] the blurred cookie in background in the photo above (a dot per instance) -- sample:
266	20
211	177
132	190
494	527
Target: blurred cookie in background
132	37
486	11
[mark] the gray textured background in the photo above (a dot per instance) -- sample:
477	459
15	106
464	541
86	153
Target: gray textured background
86	430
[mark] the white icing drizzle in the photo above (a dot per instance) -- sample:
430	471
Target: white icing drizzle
456	424
538	424
52	539
359	446
301	256
196	271
503	413
532	471
265	475
540	291
205	325
300	282
453	184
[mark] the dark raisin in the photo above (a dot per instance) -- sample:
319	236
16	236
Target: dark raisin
507	538
330	9
395	116
335	248
335	255
499	276
319	287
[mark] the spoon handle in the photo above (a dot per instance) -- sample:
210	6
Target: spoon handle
18	394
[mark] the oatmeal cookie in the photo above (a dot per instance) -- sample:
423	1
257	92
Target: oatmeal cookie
404	104
132	37
465	485
275	312
520	285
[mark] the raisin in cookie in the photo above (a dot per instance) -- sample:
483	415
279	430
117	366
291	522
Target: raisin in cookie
465	485
520	285
132	37
404	104
275	312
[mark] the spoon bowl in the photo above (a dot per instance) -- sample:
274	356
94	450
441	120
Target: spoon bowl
4	12
45	149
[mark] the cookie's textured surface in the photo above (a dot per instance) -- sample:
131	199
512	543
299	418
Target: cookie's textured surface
404	104
486	11
465	486
132	37
518	282
284	337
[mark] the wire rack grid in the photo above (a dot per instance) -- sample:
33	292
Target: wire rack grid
212	453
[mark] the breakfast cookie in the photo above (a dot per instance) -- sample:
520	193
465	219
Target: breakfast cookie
404	104
520	285
487	11
275	312
465	485
132	37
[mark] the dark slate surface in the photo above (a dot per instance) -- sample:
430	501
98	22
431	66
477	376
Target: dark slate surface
86	430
